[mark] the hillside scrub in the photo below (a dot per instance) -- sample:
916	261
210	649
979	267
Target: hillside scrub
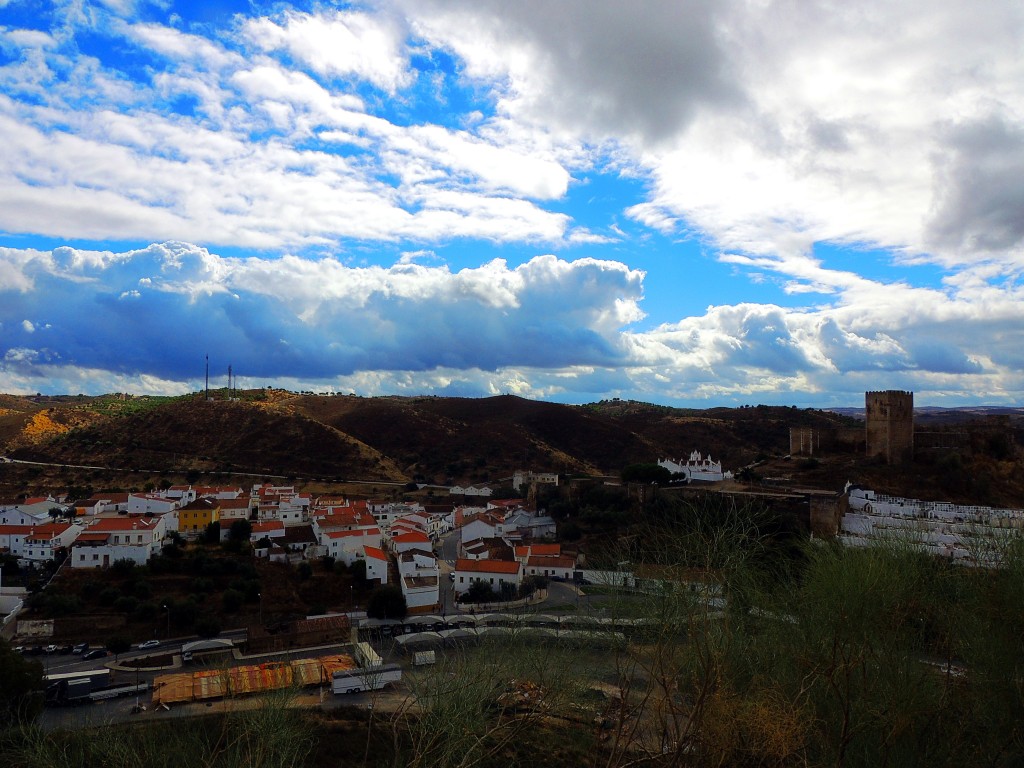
270	735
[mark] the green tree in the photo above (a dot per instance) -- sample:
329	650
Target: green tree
479	592
646	473
387	602
20	694
240	530
118	644
212	533
232	600
207	627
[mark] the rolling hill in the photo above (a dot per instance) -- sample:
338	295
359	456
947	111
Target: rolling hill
426	439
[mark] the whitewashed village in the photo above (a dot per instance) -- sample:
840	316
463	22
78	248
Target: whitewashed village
466	564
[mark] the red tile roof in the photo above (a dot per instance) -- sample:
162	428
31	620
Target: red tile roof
487	566
375	553
123	523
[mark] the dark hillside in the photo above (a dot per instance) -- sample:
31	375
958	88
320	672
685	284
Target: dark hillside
215	436
437	438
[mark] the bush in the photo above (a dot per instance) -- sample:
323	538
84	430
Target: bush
183	614
305	571
108	596
146	610
126	604
207	627
122	567
479	592
387	602
118	644
232	600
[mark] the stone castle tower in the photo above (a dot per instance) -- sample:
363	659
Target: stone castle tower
890	425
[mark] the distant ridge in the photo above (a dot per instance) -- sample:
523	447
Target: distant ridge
938	413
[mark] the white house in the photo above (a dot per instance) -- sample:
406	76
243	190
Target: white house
349	545
140	503
271	529
376	564
481	526
37	543
111	502
14	515
420	578
109	539
475	550
494	573
412	540
551	567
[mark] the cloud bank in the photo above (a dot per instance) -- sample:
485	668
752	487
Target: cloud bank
368	198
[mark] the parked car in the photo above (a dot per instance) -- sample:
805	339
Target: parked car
95	653
65	649
148	644
80	648
51	649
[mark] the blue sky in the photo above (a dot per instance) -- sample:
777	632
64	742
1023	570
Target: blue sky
703	203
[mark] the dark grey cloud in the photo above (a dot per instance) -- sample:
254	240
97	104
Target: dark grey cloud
605	67
979	190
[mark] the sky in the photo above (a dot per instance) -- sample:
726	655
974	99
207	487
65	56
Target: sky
698	203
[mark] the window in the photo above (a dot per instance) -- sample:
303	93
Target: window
95	557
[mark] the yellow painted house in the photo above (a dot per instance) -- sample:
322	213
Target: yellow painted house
195	516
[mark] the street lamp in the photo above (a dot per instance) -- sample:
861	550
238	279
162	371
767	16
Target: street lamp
259	595
168	609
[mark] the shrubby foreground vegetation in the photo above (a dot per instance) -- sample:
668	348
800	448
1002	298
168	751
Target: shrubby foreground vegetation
808	655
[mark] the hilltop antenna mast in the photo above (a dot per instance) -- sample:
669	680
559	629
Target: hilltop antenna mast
207	377
231	388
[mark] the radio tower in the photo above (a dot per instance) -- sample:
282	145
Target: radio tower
231	388
207	377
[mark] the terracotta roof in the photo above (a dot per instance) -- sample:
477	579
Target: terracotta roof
358	532
299	534
414	537
545	550
375	553
92	536
267	525
124	523
487	566
15	530
200	505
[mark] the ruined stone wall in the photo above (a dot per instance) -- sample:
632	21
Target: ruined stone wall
826	514
890	425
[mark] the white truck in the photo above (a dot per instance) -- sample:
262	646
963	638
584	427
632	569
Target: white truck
371	679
